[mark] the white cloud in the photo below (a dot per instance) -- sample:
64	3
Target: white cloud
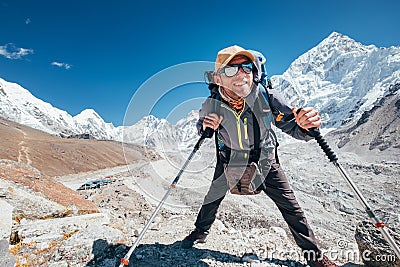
61	65
10	51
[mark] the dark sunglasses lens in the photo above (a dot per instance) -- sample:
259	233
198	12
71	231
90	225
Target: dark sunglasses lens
247	68
231	71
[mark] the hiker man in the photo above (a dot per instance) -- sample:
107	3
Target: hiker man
240	119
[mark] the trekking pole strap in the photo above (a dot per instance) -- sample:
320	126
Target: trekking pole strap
207	133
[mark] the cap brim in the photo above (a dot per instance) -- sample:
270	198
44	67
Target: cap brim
242	53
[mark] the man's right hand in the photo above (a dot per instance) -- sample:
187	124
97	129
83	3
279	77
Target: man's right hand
212	120
307	118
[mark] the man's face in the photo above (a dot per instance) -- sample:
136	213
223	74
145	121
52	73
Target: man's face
241	83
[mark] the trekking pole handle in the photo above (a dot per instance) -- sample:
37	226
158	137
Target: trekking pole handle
314	132
207	133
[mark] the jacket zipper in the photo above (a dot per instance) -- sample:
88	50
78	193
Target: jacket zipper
239	131
245	129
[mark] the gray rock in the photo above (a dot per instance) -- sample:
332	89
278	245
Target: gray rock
3	247
91	243
373	247
29	204
58	264
6	259
55	229
5	219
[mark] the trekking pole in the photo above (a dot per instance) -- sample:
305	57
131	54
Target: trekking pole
375	219
206	134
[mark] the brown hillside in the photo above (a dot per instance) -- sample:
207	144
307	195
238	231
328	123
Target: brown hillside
55	156
24	175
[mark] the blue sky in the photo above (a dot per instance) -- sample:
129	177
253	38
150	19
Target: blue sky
96	54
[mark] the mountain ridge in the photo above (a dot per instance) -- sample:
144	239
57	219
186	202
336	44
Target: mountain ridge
340	77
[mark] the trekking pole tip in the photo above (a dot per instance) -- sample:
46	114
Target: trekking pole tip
125	262
380	225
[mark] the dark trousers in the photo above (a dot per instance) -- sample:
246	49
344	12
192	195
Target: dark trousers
278	189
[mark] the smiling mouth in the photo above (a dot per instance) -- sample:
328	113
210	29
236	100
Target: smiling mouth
240	83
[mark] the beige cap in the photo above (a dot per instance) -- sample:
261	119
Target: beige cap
226	55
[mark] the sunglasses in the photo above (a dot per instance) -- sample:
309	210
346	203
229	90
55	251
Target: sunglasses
233	69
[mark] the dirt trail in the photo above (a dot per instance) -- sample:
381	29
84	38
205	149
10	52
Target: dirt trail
23	152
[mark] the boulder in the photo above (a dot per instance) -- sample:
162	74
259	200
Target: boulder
5	219
374	250
29	204
69	238
6	259
94	243
57	229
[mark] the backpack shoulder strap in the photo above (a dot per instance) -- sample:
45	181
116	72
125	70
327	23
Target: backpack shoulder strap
265	103
267	98
260	76
256	134
217	97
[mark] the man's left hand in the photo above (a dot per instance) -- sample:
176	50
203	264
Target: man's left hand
307	118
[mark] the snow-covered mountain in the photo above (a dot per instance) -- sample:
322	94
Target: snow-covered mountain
88	121
154	132
19	105
340	77
187	126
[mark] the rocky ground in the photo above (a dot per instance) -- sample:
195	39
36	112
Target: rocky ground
249	230
99	225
